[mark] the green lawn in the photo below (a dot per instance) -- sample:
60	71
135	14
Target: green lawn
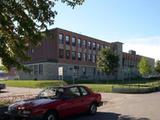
33	83
98	87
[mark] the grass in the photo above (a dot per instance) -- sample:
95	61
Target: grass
97	87
32	83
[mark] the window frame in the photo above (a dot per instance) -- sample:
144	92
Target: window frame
89	45
74	43
74	54
79	56
61	51
67	39
79	42
68	51
61	41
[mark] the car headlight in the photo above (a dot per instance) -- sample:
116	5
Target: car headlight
24	111
21	108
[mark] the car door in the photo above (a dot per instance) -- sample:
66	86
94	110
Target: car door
86	99
72	102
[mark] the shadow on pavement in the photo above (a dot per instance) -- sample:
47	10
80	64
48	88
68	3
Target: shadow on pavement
98	116
3	91
105	116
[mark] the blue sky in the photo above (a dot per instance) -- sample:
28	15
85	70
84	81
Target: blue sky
136	23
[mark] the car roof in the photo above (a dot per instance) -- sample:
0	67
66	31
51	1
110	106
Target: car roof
67	86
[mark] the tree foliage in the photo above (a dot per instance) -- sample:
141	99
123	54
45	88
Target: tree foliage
3	68
144	67
157	67
21	26
107	61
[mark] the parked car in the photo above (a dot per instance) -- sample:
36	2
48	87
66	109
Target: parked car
54	103
2	86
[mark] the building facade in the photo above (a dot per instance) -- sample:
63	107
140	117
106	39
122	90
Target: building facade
130	64
76	53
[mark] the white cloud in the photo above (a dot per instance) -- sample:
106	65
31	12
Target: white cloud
144	46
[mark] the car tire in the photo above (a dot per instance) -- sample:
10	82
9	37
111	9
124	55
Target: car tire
50	116
93	109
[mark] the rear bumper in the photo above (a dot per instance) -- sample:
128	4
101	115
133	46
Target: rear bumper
100	104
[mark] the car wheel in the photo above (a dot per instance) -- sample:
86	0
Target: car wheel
93	109
50	116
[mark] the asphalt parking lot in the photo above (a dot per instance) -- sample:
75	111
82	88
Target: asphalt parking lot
116	106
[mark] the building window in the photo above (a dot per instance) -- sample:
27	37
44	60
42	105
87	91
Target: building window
93	58
73	55
61	53
94	71
41	69
73	41
84	57
79	56
67	40
98	47
84	43
31	68
67	54
32	50
89	44
61	39
79	42
94	45
84	70
89	57
35	69
101	47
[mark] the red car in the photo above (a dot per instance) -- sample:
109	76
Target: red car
55	103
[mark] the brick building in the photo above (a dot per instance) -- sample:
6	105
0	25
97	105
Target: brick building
76	53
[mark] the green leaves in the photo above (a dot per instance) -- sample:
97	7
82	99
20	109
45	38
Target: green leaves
157	67
3	68
21	26
107	61
144	66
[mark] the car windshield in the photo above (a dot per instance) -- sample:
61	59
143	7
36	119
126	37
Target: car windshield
51	93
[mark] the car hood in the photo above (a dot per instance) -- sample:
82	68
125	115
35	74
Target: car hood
32	103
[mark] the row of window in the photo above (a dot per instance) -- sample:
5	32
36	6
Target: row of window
80	43
127	63
36	69
80	56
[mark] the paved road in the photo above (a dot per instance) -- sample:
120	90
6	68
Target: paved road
12	91
117	106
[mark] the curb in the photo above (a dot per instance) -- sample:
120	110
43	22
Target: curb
134	90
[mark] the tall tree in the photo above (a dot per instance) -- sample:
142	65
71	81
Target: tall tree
144	66
21	26
157	67
107	61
